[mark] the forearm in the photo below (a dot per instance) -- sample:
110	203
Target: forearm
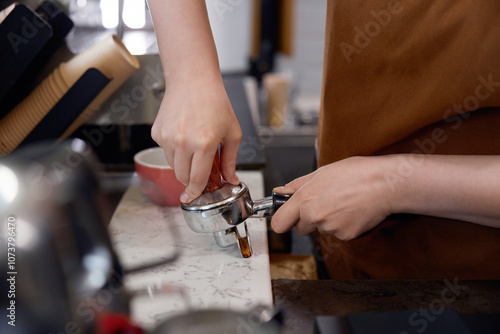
185	40
458	187
195	117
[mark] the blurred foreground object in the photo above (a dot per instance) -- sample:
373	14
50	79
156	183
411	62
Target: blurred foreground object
65	270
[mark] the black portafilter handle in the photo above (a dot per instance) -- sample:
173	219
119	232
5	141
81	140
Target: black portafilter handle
267	206
279	199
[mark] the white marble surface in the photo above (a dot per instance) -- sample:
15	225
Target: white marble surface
204	276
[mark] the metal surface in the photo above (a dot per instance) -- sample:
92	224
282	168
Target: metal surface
137	101
218	321
220	212
219	197
264	207
220	215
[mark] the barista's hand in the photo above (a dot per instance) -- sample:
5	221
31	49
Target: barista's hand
195	115
194	118
345	199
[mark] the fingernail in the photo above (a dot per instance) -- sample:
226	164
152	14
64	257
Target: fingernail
185	198
232	181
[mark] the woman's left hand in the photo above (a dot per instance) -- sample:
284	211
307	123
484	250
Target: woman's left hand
345	198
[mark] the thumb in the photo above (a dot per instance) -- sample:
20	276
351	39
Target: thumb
293	186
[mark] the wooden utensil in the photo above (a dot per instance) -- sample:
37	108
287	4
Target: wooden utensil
215	178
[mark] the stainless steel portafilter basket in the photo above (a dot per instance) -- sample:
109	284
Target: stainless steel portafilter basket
221	211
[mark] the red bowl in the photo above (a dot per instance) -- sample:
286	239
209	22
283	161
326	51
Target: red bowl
158	179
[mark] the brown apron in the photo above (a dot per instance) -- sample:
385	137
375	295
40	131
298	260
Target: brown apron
412	77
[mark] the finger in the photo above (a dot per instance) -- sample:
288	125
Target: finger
287	215
167	149
228	157
302	227
156	132
182	165
201	166
293	186
169	156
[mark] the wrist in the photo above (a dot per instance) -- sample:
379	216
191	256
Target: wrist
193	64
396	171
192	76
194	85
381	178
408	188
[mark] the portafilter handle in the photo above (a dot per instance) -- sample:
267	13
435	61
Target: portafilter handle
264	207
267	206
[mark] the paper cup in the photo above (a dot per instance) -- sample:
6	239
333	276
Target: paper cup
59	81
112	59
276	87
109	56
20	121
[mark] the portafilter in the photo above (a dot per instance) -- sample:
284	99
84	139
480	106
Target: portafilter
224	206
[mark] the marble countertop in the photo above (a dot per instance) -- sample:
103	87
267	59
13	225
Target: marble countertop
204	274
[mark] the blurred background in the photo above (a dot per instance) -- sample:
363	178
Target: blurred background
271	58
90	69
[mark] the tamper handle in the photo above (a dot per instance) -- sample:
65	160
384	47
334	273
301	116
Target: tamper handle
215	178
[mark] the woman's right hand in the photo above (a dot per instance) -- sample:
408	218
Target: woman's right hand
194	118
